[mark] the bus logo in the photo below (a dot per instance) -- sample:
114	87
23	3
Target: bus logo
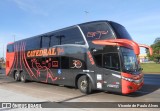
97	34
77	64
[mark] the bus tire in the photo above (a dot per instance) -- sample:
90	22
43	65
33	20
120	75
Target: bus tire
23	77
17	76
84	84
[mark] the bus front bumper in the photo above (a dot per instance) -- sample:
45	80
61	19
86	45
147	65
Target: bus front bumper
131	83
129	87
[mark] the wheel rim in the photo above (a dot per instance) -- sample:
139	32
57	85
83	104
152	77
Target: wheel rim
16	76
22	77
84	85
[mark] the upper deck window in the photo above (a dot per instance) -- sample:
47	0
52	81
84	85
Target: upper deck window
97	31
45	41
69	36
33	43
120	31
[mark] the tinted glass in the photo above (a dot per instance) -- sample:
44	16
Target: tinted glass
129	60
111	61
108	60
54	41
45	41
65	62
98	59
33	43
10	48
70	36
97	31
120	31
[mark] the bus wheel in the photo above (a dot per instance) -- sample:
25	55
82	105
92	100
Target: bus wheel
17	76
23	77
84	84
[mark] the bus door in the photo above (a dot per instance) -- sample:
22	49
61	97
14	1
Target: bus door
112	80
108	75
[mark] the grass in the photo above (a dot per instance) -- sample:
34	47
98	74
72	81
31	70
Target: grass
150	68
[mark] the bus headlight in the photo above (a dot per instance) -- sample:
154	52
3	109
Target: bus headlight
132	80
128	79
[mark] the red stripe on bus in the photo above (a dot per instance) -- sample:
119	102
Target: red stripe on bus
23	52
10	60
17	56
27	63
20	50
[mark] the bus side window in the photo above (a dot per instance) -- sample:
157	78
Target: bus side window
33	43
45	41
111	61
10	48
71	36
54	40
98	59
65	62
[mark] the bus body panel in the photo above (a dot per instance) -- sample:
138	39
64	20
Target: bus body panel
9	62
11	59
131	83
106	81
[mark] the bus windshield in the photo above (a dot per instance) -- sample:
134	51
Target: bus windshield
97	31
120	31
104	30
129	60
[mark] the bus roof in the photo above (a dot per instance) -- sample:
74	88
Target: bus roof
10	43
48	33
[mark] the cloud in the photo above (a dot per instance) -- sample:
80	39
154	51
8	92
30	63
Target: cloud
31	6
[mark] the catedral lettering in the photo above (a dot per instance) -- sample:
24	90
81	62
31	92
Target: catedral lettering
98	55
42	52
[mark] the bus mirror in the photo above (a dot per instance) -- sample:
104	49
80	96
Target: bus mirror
119	42
147	47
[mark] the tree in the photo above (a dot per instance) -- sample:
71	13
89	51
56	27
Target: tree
156	52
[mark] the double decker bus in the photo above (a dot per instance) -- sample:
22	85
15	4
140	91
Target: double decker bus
98	55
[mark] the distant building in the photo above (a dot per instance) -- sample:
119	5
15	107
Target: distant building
143	58
157	40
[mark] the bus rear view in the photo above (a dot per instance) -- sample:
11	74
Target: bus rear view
98	55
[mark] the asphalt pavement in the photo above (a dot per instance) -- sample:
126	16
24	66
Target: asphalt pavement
11	91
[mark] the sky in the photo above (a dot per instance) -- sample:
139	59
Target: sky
25	18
